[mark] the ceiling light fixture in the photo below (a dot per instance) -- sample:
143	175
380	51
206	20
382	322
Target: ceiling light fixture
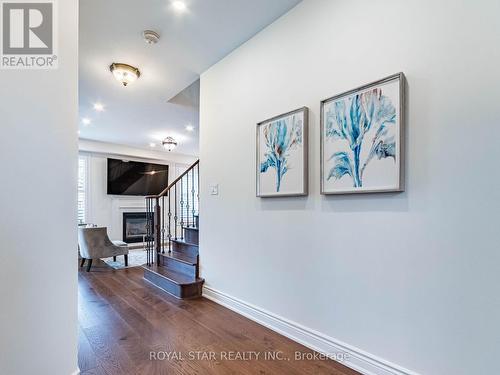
150	36
169	143
99	107
190	128
152	144
179	5
124	73
86	121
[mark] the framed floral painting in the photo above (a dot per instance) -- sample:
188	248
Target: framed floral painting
282	155
362	139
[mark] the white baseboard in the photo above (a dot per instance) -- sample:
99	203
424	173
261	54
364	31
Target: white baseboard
357	359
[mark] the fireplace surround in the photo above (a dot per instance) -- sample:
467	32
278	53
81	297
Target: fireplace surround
135	226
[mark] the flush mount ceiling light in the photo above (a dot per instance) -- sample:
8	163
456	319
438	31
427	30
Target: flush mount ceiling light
150	36
124	73
169	143
86	121
99	107
190	128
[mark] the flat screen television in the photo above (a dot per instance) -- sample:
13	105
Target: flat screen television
136	178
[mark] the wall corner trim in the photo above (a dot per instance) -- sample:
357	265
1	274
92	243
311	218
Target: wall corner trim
358	359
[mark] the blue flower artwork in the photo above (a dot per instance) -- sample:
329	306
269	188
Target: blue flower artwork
361	135
280	168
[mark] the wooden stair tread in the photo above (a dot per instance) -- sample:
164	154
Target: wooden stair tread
181	257
192	228
182	242
175	277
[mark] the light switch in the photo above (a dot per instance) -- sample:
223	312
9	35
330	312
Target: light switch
214	189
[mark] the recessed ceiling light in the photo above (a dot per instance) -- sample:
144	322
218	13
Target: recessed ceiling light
99	107
152	144
79	132
179	5
86	121
190	128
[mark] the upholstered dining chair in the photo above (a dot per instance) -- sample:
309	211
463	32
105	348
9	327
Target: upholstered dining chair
94	243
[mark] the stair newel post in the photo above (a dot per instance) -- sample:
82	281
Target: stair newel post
150	229
169	235
146	238
157	231
175	209
163	224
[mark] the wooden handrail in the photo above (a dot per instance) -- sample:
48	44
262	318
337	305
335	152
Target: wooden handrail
165	191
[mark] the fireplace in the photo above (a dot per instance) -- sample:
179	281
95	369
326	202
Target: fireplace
135	226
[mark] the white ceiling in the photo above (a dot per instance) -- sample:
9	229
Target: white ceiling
151	109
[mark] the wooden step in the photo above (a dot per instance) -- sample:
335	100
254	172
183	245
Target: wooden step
184	247
191	235
179	262
175	283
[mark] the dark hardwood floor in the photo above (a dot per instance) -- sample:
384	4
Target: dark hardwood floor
123	320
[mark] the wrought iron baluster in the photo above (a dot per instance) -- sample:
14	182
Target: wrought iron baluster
150	247
192	195
182	208
175	208
157	232
169	223
186	224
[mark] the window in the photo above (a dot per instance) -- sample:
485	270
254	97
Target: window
82	189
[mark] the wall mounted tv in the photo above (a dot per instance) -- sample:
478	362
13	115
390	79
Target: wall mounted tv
136	178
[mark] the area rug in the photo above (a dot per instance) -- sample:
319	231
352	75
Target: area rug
136	258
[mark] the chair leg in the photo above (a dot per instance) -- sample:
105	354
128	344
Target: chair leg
114	259
82	262
126	260
89	264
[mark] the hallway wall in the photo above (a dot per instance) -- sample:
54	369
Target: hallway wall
38	254
408	279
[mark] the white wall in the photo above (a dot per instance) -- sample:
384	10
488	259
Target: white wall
411	278
107	210
38	251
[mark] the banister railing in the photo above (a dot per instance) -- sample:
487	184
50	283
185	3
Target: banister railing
165	191
170	211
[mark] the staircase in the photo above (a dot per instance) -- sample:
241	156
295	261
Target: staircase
172	237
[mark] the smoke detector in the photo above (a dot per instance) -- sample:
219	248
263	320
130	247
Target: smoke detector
150	36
